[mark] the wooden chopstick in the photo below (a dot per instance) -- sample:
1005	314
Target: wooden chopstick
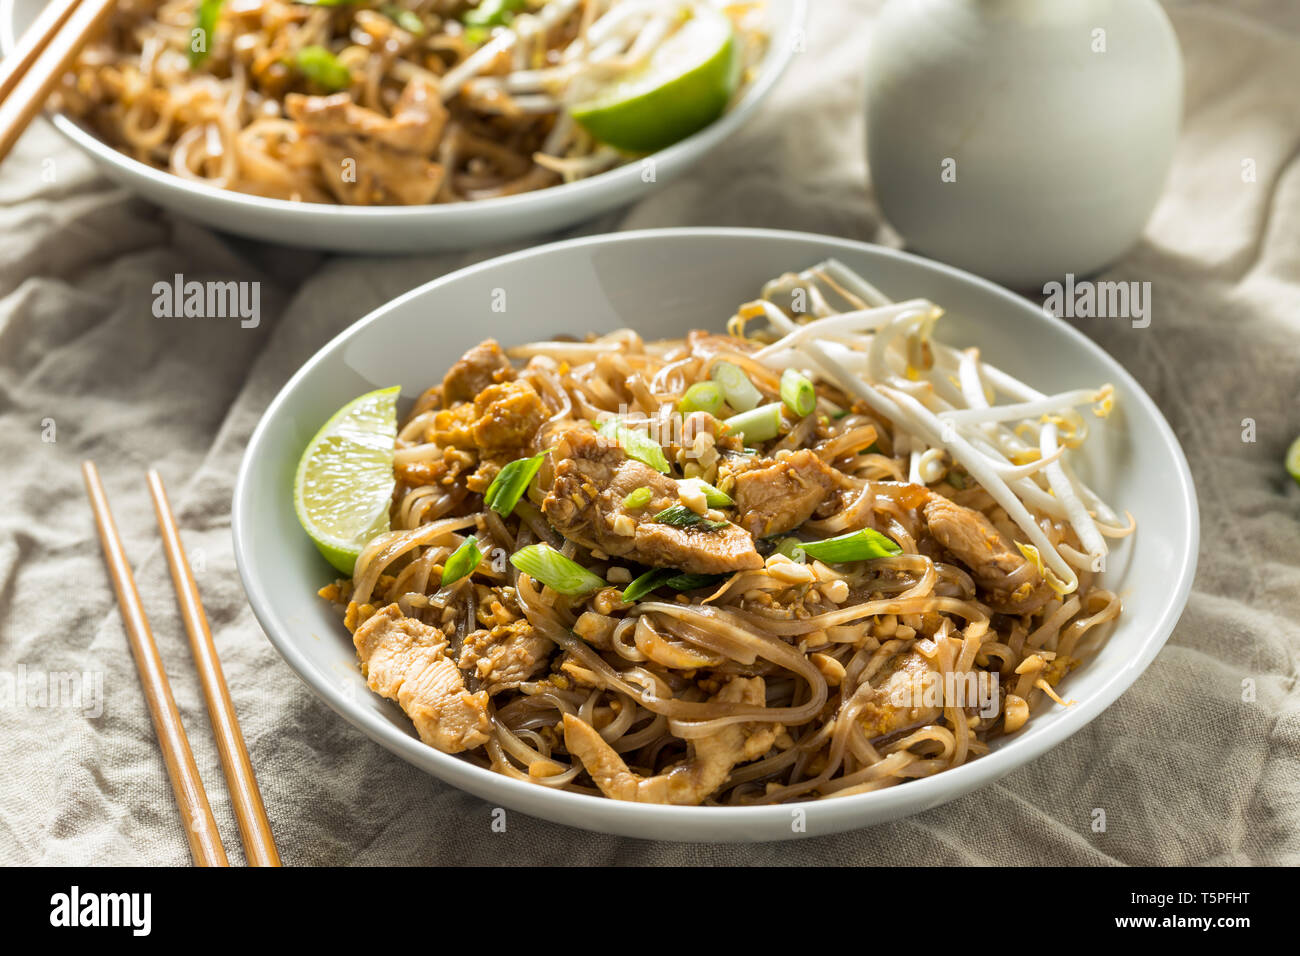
191	799
254	827
50	56
33	41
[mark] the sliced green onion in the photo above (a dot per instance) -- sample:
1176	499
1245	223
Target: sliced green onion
797	392
656	578
701	397
493	13
557	572
635	444
645	583
855	546
510	484
638	498
323	68
1293	460
205	22
408	20
462	561
758	424
737	389
712	496
840	414
680	516
792	548
689	582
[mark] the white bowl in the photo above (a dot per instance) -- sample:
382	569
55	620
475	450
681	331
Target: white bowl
662	283
416	229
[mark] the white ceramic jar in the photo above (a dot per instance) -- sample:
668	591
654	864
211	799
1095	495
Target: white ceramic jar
1022	139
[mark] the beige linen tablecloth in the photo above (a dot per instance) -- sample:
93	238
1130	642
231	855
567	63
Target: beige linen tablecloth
1186	769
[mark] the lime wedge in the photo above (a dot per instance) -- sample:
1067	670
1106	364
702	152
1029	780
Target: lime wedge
683	87
345	481
1293	460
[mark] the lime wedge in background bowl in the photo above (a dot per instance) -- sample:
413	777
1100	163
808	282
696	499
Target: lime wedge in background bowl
1293	460
344	484
683	87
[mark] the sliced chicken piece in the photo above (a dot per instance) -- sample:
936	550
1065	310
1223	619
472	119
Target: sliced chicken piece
367	158
494	429
415	126
507	417
483	365
406	660
904	696
377	177
586	504
774	496
688	783
1006	579
505	656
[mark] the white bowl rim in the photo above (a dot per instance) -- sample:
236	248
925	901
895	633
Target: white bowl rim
888	803
684	151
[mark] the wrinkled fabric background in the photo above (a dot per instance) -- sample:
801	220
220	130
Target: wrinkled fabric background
1186	770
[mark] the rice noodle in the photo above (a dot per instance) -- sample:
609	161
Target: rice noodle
847	656
432	109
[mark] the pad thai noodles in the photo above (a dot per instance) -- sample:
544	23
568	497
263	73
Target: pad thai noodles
817	554
400	102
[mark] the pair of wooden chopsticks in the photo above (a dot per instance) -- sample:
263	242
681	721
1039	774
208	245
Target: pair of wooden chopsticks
43	54
201	828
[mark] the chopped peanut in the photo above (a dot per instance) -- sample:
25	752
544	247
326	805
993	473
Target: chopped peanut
1015	713
830	668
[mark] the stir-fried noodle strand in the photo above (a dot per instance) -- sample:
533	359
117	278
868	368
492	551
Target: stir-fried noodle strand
366	102
818	555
